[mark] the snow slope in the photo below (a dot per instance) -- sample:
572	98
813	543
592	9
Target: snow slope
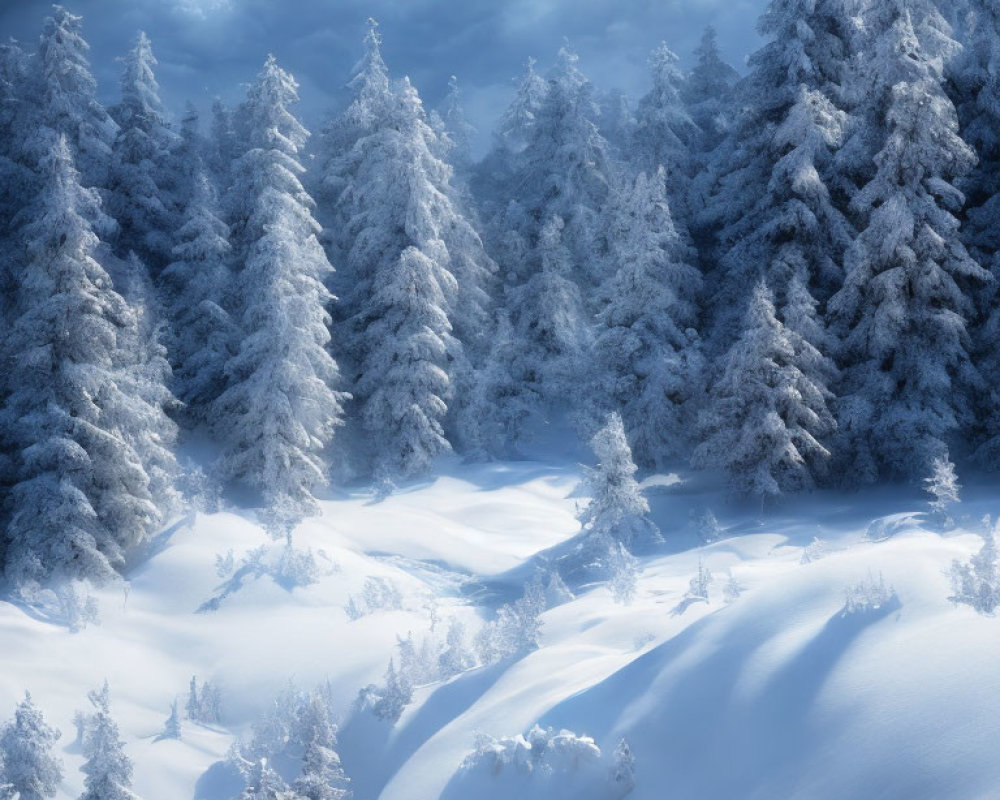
776	694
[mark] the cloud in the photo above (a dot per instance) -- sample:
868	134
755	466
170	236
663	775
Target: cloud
214	47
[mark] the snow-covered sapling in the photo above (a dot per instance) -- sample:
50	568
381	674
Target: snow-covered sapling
623	769
108	769
322	777
868	595
172	727
943	487
977	583
732	590
698	587
617	507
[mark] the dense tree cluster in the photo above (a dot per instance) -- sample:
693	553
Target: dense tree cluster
788	275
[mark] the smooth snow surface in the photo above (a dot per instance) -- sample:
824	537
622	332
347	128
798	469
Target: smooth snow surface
774	695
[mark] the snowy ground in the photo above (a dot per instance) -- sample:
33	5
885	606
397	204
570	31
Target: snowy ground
774	695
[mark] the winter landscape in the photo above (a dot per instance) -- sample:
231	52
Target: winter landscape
642	445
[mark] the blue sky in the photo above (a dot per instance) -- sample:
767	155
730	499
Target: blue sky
213	47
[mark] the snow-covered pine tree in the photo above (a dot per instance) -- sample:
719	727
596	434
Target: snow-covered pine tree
499	405
83	495
263	783
518	120
66	96
144	372
221	149
490	181
108	769
321	777
564	170
617	509
172	727
280	409
30	770
975	87
708	93
664	132
623	770
457	126
140	194
777	217
550	327
414	272
202	333
766	419
904	305
647	308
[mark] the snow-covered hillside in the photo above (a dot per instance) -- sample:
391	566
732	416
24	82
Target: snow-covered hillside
776	692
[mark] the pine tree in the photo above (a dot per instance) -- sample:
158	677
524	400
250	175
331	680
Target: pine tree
66	96
623	771
279	410
172	727
647	311
29	769
140	197
518	120
975	84
550	325
83	495
414	273
766	419
708	93
108	769
664	133
203	333
265	784
904	304
617	508
322	777
564	170
773	198
457	126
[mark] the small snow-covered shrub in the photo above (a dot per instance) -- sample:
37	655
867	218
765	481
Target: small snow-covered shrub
201	491
387	701
378	594
295	568
868	595
732	590
699	584
623	769
813	551
456	656
516	629
542	750
172	727
977	583
204	705
706	525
